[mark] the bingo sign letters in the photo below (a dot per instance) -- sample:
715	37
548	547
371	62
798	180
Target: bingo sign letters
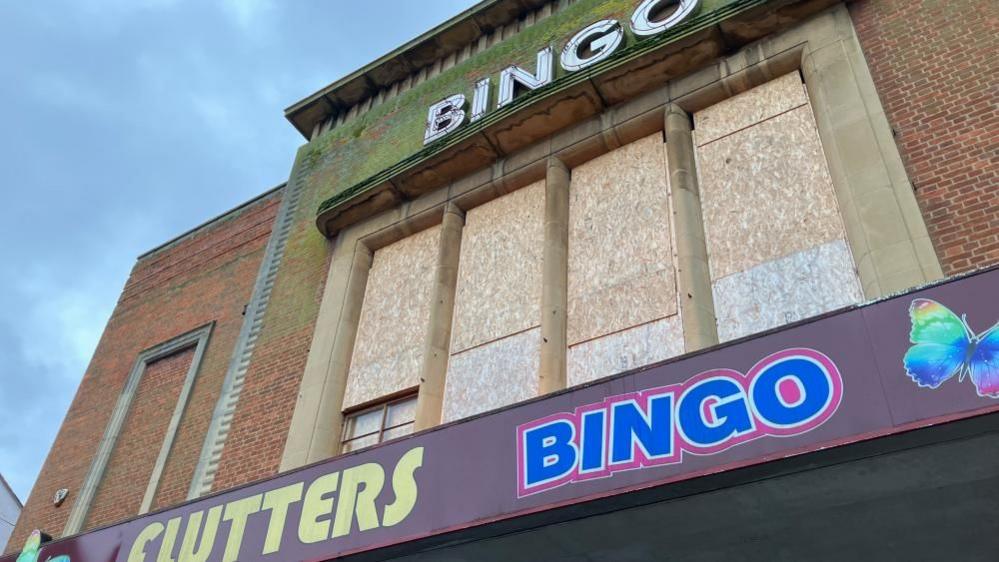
590	45
788	393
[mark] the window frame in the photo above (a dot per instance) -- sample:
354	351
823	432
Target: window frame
383	405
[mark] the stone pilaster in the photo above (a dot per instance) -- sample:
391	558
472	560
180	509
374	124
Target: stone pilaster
697	310
438	344
555	278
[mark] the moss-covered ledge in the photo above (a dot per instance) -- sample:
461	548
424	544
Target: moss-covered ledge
639	67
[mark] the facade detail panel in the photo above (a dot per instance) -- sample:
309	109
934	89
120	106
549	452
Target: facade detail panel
621	270
125	479
388	351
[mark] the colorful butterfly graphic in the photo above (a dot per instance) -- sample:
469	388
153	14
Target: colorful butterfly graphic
31	548
944	345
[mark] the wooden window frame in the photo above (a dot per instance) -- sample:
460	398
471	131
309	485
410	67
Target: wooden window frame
383	405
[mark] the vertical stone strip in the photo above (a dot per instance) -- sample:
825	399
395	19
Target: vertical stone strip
178	413
430	401
555	275
693	278
325	441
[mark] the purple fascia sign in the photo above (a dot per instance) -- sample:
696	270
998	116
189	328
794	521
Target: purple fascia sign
924	358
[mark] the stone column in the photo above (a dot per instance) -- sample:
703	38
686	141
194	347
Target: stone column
438	344
697	309
329	423
555	278
889	240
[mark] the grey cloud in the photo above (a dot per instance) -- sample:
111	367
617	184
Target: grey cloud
124	123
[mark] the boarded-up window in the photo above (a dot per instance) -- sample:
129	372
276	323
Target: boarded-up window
388	351
622	307
495	339
776	242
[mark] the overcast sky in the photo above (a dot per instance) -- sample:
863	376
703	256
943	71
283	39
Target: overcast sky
124	123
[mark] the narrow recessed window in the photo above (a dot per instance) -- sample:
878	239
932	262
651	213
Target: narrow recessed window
379	423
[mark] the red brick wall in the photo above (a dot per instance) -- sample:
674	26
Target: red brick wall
936	68
205	277
260	425
120	493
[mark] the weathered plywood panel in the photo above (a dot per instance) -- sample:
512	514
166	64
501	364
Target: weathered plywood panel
804	284
618	352
493	375
776	242
750	107
499	273
766	193
388	351
621	271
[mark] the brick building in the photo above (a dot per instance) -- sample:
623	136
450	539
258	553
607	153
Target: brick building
553	254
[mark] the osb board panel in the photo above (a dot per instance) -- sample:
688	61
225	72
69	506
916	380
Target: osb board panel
621	270
766	193
492	375
750	107
628	349
798	286
499	272
395	314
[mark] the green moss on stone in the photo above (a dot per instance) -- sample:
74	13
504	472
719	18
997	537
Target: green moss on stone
393	131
